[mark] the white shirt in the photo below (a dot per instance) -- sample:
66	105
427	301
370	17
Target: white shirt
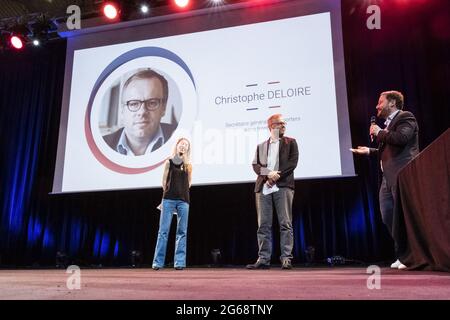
124	148
272	158
386	123
389	119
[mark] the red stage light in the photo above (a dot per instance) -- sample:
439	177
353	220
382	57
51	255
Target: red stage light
182	3
110	11
16	42
410	2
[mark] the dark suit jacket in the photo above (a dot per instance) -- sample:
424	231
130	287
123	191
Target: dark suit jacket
112	139
397	145
287	162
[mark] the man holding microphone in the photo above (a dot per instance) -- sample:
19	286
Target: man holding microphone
398	143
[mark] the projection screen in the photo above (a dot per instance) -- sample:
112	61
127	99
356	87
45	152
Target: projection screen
221	74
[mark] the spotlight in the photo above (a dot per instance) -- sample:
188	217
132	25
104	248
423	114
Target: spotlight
110	11
182	3
17	34
144	8
310	253
216	257
38	40
62	260
136	258
41	30
16	42
336	260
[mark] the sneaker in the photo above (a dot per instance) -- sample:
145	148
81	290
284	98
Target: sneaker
258	265
179	268
396	264
155	268
286	265
402	266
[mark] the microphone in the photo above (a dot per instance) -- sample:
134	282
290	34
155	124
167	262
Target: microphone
372	121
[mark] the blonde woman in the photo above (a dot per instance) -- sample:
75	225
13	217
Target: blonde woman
176	183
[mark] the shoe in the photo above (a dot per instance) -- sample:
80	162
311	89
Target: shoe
402	267
286	265
156	268
179	268
258	265
396	264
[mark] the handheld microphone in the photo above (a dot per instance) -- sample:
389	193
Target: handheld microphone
372	121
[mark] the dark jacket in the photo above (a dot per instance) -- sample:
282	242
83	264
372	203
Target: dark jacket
287	162
397	145
112	139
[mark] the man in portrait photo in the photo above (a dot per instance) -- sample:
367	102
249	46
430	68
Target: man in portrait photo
142	105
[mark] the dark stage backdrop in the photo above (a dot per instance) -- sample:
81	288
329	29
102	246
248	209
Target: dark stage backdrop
410	53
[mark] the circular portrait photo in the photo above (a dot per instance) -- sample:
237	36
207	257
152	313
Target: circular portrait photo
141	102
139	112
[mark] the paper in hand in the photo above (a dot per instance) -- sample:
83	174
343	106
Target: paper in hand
160	208
268	190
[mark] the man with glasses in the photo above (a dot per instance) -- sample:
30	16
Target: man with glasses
274	163
398	144
143	104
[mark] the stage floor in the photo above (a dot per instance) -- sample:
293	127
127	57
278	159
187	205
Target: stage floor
342	283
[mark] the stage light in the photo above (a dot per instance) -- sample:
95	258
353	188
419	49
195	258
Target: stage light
216	257
38	39
40	30
310	254
216	2
144	8
62	260
16	42
136	258
182	3
335	260
110	11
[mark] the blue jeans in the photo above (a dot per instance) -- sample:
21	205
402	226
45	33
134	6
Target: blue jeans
165	220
